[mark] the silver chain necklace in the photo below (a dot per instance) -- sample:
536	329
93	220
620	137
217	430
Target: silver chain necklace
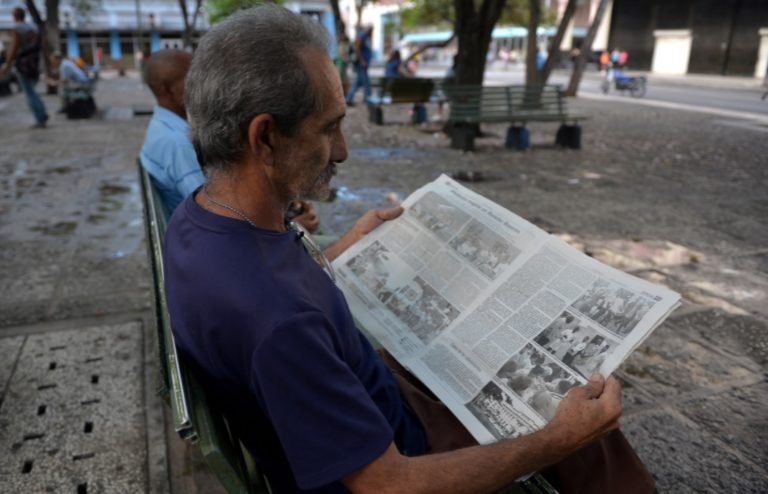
226	206
309	243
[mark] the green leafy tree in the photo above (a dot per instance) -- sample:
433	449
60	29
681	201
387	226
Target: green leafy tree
219	9
472	22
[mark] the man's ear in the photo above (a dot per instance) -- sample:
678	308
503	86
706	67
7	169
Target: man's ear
262	138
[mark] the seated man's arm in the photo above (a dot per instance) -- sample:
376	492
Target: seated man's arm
365	225
586	413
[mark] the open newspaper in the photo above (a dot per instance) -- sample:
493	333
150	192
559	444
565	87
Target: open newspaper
497	317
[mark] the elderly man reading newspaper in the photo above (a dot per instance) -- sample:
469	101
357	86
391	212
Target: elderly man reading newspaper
272	336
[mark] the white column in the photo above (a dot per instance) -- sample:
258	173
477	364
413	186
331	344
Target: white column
762	54
567	42
671	51
603	32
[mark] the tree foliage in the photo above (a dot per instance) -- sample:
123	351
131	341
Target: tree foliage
219	9
85	8
441	13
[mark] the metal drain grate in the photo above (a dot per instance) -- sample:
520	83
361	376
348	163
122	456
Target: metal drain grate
72	420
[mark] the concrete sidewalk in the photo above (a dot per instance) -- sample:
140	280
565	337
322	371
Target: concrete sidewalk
673	197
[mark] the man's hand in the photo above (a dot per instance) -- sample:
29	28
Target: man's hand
365	225
307	216
4	68
586	413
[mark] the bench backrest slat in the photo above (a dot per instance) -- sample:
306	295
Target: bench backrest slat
498	103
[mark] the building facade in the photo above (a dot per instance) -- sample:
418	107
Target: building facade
120	32
693	36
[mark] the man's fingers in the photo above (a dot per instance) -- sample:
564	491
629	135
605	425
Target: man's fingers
591	390
386	214
612	395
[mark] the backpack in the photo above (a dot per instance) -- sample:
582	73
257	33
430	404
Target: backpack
28	61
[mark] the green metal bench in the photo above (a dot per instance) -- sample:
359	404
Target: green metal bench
517	105
195	417
390	91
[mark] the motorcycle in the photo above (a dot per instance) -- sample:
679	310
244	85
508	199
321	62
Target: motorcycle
635	85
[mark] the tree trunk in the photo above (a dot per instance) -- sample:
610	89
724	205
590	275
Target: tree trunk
532	50
586	49
338	22
554	49
49	36
473	28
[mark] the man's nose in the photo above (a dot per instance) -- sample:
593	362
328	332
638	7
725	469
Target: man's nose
339	153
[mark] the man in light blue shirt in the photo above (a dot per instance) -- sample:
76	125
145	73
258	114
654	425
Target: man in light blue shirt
167	153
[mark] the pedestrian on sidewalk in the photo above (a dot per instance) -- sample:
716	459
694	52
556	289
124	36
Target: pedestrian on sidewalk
362	61
24	56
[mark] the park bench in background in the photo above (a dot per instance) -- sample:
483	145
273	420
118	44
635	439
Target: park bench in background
516	105
390	91
195	416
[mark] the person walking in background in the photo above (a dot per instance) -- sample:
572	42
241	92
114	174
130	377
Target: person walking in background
605	60
623	57
25	57
342	61
362	60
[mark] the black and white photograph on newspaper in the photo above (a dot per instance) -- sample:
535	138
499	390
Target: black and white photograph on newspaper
375	267
485	249
589	354
560	335
422	309
495	409
441	217
574	342
614	307
537	379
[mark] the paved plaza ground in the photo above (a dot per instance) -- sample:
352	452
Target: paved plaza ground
678	198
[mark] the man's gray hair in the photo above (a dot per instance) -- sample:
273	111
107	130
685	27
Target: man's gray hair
248	65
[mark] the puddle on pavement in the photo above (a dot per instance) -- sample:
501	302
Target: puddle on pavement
349	204
60	170
375	153
57	229
116	223
109	200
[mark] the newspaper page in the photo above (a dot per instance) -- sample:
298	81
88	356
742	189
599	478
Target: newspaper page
497	317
